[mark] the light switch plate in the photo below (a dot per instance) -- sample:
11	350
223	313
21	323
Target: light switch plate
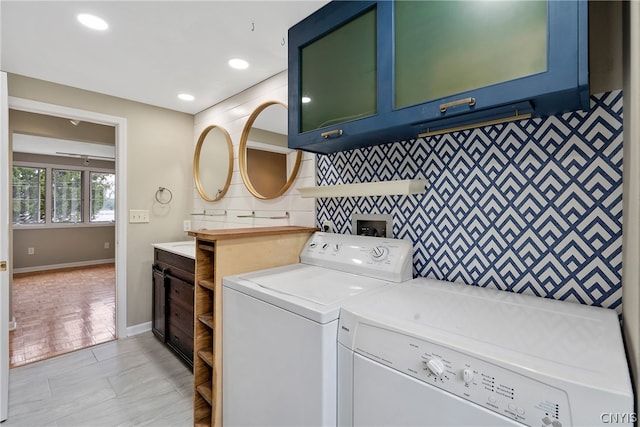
138	216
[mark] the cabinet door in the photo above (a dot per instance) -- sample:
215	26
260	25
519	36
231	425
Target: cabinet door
463	62
338	75
338	79
443	48
159	314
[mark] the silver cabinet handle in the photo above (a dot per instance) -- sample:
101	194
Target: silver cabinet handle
336	132
470	101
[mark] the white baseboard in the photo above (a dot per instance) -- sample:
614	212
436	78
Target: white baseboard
138	329
59	266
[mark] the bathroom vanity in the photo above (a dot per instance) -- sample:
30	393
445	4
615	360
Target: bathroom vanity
173	281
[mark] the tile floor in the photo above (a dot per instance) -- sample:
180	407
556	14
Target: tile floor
61	311
134	381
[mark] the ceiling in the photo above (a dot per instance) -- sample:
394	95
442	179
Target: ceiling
152	50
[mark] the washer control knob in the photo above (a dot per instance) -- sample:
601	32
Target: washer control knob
379	253
436	367
467	375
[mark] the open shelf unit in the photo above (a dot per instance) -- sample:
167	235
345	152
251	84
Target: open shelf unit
203	370
221	253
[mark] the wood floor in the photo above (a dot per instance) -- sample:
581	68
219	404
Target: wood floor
61	311
135	381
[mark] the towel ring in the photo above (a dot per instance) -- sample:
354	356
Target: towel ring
159	193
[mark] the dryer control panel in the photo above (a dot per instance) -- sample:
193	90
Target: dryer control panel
497	389
377	257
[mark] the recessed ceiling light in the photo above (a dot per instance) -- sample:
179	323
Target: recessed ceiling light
186	97
238	64
92	21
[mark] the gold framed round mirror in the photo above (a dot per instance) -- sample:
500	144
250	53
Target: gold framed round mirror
268	167
213	163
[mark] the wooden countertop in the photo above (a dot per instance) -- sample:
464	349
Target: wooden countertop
235	233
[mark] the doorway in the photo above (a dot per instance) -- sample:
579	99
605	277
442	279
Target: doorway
63	180
120	126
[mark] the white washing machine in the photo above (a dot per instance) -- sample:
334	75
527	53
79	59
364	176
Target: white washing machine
430	353
279	352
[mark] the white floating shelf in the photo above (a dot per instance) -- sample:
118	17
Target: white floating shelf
382	188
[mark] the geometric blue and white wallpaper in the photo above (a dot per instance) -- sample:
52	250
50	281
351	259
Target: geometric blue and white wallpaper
532	206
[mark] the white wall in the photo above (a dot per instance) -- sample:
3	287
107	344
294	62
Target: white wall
631	191
232	114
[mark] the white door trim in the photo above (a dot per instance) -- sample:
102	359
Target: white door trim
5	228
120	124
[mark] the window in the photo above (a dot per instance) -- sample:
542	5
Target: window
50	195
103	195
67	196
28	195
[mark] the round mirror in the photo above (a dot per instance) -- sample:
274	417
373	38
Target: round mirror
267	166
213	163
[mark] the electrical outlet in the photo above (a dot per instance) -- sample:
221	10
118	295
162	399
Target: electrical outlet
138	216
31	251
106	245
186	225
328	227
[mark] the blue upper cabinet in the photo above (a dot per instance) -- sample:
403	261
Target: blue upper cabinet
369	72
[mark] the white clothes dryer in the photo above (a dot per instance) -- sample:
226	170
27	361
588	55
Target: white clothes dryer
433	353
279	353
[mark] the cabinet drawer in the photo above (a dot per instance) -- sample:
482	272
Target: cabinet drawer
180	291
181	316
175	265
180	340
